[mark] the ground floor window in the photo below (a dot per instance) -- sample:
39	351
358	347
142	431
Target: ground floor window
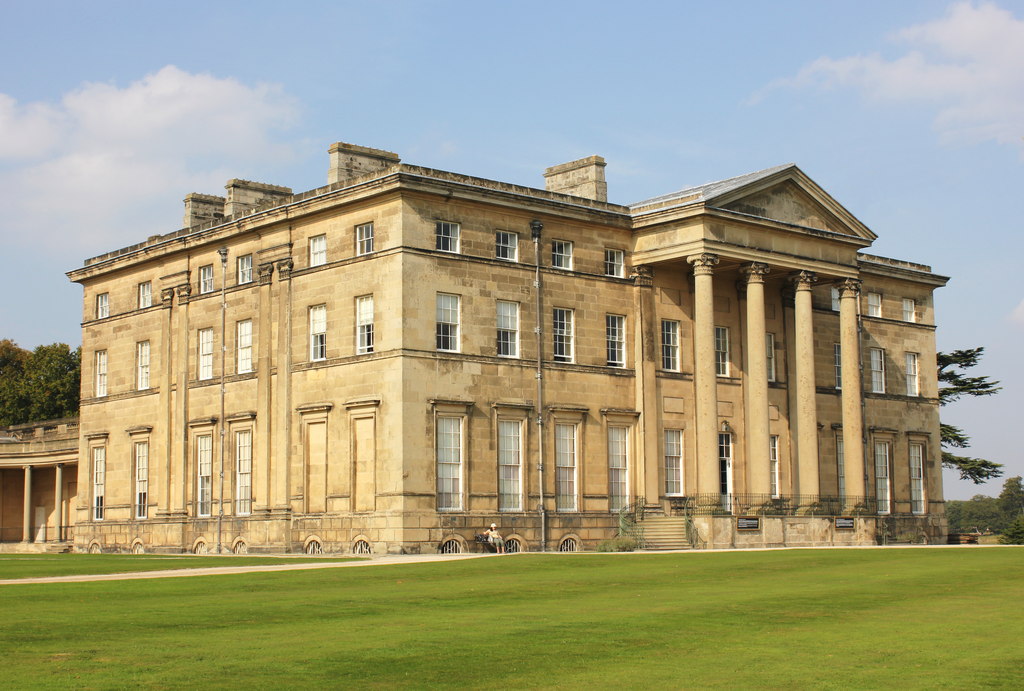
725	469
449	463
141	479
243	472
565	467
618	471
773	464
917	477
882	476
204	474
510	465
99	481
673	461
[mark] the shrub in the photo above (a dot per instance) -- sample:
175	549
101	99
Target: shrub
617	544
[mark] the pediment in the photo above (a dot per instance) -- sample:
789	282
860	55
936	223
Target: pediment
794	200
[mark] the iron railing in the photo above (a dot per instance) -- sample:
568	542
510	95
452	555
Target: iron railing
631	519
714	504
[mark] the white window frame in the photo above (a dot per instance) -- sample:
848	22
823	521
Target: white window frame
874	304
99	481
615	339
841	466
561	254
243	472
101	373
909	310
674	481
722	351
618	467
142	353
769	347
448	447
876	356
141	453
448	314
726	487
566	481
837	363
913	373
145	295
506	245
447	237
364	239
317	333
773	465
883	486
563	324
670	345
206	279
243	346
243	269
510	465
204	354
364	325
836	298
917	496
204	474
614	263
318	250
103	305
507	314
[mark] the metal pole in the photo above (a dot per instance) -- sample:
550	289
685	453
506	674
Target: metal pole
223	252
535	228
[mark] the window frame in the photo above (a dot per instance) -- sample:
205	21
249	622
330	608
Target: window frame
510	465
206	282
561	254
140	462
144	295
618	467
615	340
836	297
100	372
507	330
204	475
769	346
614	262
722	364
243	346
99	482
912	370
448	322
876	356
142	365
883	490
563	334
450	500
915	459
837	364
673	462
317	317
204	354
910	316
840	466
773	466
670	345
102	305
566	467
243	472
317	250
448	237
243	269
365	329
510	247
874	304
365	238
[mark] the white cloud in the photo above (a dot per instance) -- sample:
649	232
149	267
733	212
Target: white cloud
968	66
109	165
1017	315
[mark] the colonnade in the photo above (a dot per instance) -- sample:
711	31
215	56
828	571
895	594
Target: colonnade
755	388
27	526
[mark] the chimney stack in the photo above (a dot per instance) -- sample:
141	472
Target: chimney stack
244	196
582	178
200	208
349	161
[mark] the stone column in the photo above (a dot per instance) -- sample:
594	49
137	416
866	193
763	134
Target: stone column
262	444
646	475
705	379
853	421
58	499
756	389
806	404
26	523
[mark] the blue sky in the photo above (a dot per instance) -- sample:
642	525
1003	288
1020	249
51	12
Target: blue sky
910	113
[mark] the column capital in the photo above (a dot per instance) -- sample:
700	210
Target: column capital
849	287
643	275
167	297
183	291
803	280
755	271
265	271
703	264
284	268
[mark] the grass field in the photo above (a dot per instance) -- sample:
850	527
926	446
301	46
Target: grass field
41	565
878	618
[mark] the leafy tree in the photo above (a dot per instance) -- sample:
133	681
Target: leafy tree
954	384
979	512
39	385
1011	499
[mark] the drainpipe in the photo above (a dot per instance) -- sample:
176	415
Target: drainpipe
223	252
535	228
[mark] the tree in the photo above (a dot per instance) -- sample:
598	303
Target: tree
39	385
1011	499
1014	535
954	384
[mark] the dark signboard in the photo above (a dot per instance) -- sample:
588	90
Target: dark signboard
844	522
748	523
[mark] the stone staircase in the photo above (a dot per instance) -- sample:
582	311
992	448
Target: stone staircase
665	532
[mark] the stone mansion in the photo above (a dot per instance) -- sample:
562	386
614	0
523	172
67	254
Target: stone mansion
393	361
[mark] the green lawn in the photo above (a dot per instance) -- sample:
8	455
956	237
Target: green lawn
42	565
880	618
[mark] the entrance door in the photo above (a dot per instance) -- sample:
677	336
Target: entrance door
40	524
725	470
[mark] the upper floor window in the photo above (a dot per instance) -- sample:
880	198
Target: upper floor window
206	278
102	305
874	304
318	250
446	236
561	254
101	373
243	346
562	331
506	245
318	332
769	348
447	330
877	361
205	353
508	329
670	345
145	295
909	310
99	481
364	324
364	239
614	263
142	365
615	339
913	381
243	269
722	351
837	360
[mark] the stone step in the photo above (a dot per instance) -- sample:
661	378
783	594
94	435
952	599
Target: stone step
665	532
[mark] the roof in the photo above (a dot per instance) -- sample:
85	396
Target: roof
710	190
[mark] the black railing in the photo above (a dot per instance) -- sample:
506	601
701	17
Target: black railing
713	504
631	521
